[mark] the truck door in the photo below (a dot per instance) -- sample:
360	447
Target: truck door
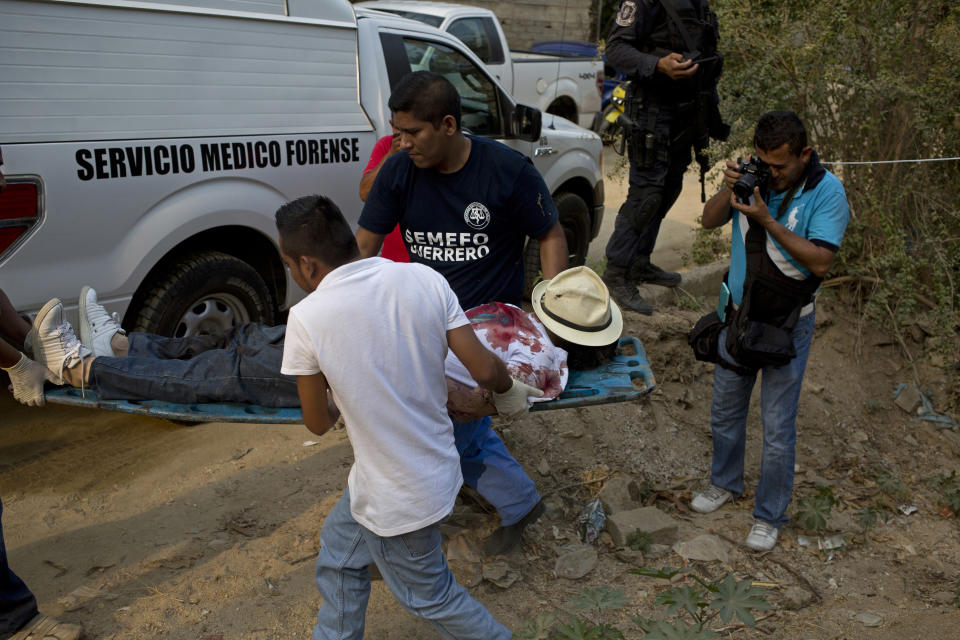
481	101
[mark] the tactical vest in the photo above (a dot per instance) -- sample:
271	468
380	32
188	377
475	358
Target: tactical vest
697	29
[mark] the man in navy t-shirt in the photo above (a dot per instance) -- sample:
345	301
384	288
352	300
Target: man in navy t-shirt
466	206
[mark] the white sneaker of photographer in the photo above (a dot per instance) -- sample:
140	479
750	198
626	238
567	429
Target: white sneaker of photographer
97	327
762	536
710	500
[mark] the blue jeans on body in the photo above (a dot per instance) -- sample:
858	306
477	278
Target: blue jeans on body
489	468
242	365
413	567
779	397
17	604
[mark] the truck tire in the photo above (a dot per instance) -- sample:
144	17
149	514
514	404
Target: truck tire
207	292
575	220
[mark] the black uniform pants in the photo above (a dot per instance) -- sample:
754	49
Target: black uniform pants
656	179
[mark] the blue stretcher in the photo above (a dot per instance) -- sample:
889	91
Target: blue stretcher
626	377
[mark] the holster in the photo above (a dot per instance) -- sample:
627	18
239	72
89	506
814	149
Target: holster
645	145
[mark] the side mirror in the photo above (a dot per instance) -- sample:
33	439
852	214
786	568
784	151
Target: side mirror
525	123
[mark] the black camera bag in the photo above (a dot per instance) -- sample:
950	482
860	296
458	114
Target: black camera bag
704	338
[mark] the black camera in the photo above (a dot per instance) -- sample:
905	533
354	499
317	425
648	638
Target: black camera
756	173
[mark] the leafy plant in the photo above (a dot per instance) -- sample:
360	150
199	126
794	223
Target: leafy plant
640	540
738	597
868	517
600	599
813	510
580	629
891	484
708	245
692	604
949	487
692	607
539	628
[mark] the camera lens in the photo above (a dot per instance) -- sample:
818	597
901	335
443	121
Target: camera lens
743	187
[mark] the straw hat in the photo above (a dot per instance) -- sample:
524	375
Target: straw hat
576	306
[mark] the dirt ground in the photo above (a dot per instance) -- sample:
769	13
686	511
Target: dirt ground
139	528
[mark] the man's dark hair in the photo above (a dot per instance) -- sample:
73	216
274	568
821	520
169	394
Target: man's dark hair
776	128
428	96
313	226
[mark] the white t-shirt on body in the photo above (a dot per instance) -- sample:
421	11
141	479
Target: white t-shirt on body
377	330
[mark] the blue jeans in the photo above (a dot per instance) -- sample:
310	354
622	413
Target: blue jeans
17	604
242	365
489	468
413	567
779	397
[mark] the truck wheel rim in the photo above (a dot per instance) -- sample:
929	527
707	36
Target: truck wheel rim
217	313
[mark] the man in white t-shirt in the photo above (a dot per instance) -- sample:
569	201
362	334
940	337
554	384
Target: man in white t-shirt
374	334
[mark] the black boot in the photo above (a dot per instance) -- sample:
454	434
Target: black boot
506	538
624	291
645	272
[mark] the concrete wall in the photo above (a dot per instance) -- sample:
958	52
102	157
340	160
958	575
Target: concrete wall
529	21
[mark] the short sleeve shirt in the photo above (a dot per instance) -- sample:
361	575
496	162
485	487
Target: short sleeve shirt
819	214
377	330
469	225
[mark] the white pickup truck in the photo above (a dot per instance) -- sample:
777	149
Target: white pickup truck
567	86
148	145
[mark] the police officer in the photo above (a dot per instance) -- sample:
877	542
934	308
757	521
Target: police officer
668	50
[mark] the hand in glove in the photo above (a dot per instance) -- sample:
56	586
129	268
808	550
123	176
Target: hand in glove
512	403
27	378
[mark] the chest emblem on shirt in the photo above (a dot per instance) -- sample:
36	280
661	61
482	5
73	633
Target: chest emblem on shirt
628	12
476	215
792	219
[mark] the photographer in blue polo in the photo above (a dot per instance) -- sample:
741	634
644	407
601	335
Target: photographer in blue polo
789	215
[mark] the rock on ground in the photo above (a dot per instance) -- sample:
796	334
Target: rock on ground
661	527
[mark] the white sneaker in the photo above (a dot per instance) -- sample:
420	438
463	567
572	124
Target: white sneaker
56	346
97	327
710	500
762	536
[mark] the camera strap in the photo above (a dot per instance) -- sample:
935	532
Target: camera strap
793	294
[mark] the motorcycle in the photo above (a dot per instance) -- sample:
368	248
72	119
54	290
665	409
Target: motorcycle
613	130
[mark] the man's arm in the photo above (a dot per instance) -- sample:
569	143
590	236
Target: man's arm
717	211
815	258
366	182
318	413
484	367
9	355
554	252
369	242
509	395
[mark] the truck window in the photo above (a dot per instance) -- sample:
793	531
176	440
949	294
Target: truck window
478	94
474	33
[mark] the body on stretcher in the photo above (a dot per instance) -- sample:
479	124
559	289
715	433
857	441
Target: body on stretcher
627	377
